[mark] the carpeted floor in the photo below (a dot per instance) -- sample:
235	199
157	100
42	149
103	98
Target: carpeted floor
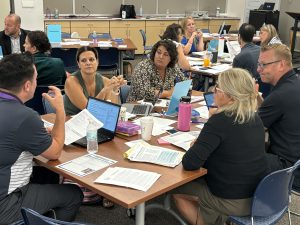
118	216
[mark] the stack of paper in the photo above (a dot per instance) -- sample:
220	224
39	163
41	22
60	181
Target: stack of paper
182	139
132	178
154	154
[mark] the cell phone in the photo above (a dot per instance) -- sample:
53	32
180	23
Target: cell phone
209	99
172	131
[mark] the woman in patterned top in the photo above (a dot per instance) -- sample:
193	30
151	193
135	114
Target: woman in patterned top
158	72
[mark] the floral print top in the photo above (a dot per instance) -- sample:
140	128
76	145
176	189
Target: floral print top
146	79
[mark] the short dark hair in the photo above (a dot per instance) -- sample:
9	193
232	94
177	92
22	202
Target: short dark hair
247	32
40	40
172	31
170	47
86	49
15	70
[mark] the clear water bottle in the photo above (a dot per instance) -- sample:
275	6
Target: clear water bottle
184	114
56	13
48	13
94	37
91	137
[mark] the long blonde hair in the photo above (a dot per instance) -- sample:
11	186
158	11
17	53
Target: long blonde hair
239	85
272	32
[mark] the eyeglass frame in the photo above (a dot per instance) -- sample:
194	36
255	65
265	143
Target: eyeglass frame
263	65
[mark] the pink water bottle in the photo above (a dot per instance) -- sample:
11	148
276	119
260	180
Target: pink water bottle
184	114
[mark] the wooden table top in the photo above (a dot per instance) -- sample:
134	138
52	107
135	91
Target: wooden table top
126	197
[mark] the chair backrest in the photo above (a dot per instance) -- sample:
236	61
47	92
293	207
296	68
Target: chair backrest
68	56
143	33
65	35
124	91
100	35
272	193
31	217
108	59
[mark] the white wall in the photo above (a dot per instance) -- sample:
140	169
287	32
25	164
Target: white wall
32	18
5	9
286	22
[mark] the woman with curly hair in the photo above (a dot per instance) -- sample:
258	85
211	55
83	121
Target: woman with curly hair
155	74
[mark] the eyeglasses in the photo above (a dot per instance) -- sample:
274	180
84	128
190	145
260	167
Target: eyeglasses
263	65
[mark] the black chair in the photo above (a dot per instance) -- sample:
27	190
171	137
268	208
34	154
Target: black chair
108	60
65	35
68	56
100	35
271	198
31	217
147	48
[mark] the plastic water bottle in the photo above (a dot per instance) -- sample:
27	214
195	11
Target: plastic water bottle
48	13
184	114
56	13
218	12
91	137
95	37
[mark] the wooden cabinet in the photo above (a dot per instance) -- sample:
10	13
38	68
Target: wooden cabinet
154	29
65	25
84	28
214	25
129	29
201	24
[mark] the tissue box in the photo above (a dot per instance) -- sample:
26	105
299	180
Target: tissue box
127	128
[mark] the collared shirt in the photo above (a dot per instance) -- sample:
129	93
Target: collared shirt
15	44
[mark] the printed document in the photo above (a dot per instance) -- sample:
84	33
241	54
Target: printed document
154	154
132	178
182	139
86	164
75	128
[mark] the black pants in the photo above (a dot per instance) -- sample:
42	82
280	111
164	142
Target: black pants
275	162
64	199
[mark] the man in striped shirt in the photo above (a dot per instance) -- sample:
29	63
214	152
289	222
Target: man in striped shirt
23	136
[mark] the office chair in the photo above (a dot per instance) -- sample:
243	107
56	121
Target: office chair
65	35
108	60
124	91
68	56
31	217
271	198
19	222
100	35
147	48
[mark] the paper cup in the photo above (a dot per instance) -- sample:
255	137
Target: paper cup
146	127
257	33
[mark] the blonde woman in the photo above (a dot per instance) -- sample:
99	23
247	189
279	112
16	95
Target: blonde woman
268	35
231	148
192	39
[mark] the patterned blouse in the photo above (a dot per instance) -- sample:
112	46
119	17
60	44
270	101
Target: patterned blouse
146	79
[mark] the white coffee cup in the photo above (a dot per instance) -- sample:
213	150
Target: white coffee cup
257	33
146	127
122	116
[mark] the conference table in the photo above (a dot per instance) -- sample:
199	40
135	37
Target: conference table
125	197
125	45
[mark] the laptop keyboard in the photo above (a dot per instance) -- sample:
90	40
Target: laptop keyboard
139	109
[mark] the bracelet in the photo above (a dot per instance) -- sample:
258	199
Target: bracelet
115	92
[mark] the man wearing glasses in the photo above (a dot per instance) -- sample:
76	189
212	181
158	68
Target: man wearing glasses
281	109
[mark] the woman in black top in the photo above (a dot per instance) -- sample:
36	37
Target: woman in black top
231	148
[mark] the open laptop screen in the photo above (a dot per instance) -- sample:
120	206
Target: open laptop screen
1	52
106	112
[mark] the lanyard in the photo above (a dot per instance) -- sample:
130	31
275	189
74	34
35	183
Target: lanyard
8	96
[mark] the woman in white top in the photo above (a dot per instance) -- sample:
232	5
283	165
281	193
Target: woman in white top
174	32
